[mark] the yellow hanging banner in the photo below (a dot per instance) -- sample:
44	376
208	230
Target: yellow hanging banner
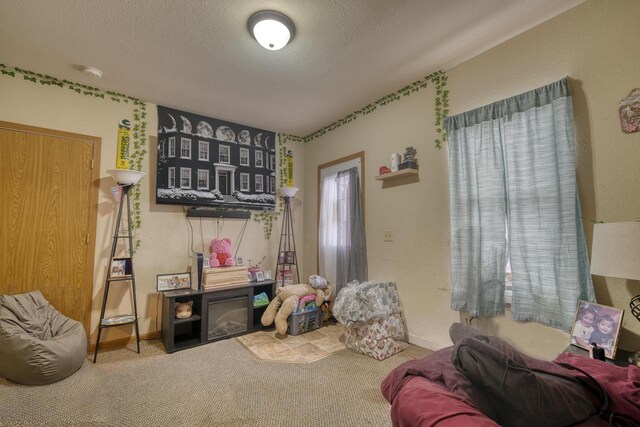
289	165
124	135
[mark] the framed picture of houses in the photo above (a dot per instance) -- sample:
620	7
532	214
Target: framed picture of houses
204	161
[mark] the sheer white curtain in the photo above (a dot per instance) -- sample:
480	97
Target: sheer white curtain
328	227
342	253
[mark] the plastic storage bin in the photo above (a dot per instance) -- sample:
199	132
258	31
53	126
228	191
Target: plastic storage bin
305	321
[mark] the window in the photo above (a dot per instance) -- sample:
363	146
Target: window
272	185
185	148
244	182
203	179
259	160
244	157
171	178
224	154
203	150
185	177
506	184
259	184
172	146
273	162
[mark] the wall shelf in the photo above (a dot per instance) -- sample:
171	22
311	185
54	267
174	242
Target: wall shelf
399	174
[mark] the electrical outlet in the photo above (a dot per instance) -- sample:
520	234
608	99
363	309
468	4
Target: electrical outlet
388	236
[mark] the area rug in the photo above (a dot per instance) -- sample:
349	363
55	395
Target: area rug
304	348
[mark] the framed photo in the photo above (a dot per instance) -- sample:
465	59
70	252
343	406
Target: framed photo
171	282
118	267
259	276
281	258
250	277
206	262
289	257
239	260
267	275
597	324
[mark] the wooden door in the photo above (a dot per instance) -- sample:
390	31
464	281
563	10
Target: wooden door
49	190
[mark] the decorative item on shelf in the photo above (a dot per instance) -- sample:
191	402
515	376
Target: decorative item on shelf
172	282
220	250
267	275
384	169
260	300
255	271
409	160
395	162
630	112
184	310
289	257
616	253
119	267
597	325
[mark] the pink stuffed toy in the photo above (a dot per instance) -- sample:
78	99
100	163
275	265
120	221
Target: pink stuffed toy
221	253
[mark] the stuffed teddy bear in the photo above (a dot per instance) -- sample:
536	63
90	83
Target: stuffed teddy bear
221	253
287	298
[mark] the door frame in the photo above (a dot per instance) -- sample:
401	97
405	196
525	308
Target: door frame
358	155
93	204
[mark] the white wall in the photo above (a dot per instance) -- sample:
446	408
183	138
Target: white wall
165	236
595	44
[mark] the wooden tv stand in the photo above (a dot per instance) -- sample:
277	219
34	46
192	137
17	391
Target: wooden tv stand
217	314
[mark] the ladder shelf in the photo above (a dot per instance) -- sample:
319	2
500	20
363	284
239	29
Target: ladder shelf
124	273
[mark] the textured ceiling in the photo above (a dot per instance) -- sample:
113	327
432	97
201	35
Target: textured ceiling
198	55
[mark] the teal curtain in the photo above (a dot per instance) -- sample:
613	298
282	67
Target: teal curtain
514	194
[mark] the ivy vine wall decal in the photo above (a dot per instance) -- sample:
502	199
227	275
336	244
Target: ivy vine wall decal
138	130
268	218
439	79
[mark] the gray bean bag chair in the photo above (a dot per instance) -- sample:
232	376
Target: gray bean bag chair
38	344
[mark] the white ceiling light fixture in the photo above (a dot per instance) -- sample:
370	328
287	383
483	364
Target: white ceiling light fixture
93	72
271	29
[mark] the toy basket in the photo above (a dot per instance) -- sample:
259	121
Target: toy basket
305	321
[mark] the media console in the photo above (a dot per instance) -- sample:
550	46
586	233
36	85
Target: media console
217	314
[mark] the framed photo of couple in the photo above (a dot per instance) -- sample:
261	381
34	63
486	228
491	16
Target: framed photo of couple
597	324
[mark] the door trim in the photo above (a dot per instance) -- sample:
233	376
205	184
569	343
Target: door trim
93	204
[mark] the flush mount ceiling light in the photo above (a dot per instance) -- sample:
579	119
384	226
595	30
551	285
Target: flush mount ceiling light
271	29
93	72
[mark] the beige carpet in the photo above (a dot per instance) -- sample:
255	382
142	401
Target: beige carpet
304	348
218	384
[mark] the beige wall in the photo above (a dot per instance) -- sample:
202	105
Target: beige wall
165	236
596	45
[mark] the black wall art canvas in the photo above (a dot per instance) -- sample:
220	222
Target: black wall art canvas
204	161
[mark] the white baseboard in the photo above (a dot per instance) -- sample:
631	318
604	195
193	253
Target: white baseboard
427	343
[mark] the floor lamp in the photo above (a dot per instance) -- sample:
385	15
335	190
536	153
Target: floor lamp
616	253
287	255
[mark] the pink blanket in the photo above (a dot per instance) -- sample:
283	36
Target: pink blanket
431	392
